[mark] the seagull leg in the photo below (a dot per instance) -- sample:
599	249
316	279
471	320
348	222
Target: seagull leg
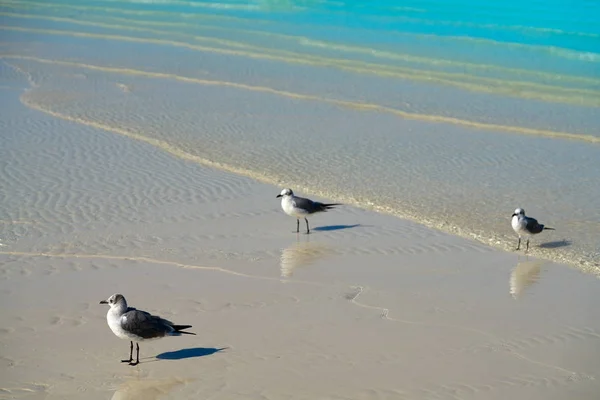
137	355
307	228
130	353
519	244
297	225
527	248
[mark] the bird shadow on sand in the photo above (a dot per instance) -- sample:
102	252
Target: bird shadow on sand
189	353
556	244
334	227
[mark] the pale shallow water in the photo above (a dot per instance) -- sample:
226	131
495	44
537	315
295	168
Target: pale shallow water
86	212
450	116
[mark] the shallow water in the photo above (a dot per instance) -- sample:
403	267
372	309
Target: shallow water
451	114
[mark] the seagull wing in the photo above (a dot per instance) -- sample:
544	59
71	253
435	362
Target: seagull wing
144	324
310	206
306	204
533	226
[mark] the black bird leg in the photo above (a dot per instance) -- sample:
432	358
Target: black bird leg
137	355
527	247
307	228
130	353
519	244
297	225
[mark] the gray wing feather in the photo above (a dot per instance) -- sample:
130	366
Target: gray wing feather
144	324
305	204
533	226
308	205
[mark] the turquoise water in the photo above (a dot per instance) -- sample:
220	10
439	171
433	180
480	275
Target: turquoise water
564	29
448	113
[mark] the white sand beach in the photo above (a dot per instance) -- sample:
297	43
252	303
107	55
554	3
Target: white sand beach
367	306
142	146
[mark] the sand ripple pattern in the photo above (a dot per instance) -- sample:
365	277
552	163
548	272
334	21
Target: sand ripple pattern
55	197
234	93
86	209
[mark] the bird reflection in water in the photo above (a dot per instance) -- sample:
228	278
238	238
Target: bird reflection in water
146	389
301	254
524	275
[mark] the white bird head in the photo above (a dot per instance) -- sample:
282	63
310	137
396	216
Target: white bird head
116	300
519	211
285	192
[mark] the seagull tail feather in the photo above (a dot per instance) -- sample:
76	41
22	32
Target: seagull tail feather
179	329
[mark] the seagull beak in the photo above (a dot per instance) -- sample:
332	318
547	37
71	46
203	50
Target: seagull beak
513	215
278	196
104	302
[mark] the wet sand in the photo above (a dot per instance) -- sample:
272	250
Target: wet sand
450	132
461	182
368	306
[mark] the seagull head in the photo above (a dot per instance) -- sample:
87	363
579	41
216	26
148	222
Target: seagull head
518	211
285	192
116	300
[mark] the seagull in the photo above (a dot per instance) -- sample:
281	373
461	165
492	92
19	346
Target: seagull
528	226
300	207
136	325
